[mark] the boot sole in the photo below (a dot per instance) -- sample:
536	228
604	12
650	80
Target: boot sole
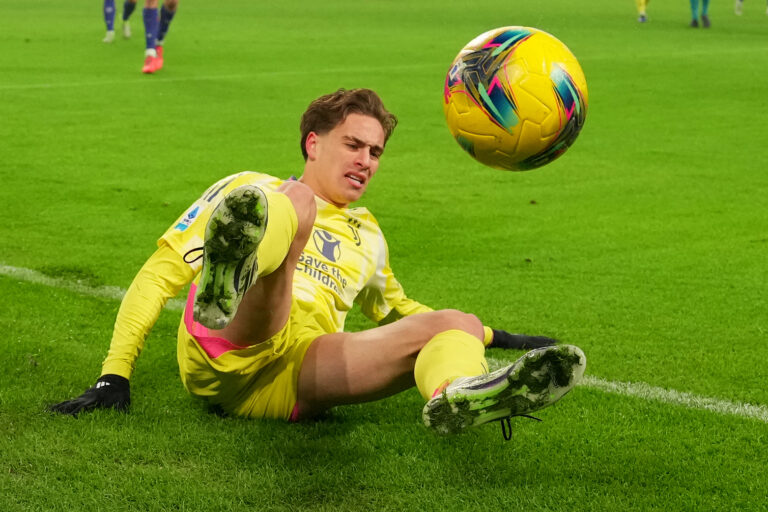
232	235
536	380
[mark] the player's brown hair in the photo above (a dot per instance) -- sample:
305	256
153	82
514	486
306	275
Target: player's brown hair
330	110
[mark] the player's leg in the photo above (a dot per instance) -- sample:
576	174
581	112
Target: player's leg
151	25
109	20
447	366
231	367
128	7
694	13
167	11
253	243
705	13
345	368
641	10
538	379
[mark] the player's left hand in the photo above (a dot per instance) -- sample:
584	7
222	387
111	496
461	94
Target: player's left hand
504	339
110	391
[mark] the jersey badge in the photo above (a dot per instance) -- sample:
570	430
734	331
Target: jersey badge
188	218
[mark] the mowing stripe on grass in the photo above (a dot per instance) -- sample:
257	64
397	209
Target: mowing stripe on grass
238	76
155	80
105	292
634	389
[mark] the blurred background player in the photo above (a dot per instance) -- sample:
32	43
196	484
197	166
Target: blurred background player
695	13
155	27
739	4
109	19
641	6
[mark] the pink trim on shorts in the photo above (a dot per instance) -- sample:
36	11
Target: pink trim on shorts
294	418
213	345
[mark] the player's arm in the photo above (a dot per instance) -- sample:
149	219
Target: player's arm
383	299
402	308
162	277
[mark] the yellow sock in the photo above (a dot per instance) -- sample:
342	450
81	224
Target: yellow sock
282	224
487	335
641	5
445	357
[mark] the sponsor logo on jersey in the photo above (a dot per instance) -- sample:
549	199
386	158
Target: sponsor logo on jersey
327	244
188	218
322	268
321	271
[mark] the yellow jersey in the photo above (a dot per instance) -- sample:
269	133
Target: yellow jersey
345	261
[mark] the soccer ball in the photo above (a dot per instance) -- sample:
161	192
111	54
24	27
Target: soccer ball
515	98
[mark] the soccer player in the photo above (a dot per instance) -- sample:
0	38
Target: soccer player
109	19
155	27
739	4
641	7
704	13
276	265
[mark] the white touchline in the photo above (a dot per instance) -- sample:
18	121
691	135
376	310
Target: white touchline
634	389
669	396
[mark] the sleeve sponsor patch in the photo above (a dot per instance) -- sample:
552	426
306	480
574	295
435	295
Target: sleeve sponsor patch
188	218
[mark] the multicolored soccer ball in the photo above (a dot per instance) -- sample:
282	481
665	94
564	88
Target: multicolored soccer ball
515	98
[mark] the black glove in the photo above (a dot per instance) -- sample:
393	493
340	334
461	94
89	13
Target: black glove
503	339
109	391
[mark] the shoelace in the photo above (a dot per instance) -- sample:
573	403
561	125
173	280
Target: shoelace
191	251
506	424
201	250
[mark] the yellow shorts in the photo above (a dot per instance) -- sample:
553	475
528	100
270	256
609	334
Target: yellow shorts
258	381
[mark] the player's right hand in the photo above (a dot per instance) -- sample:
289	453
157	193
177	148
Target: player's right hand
110	391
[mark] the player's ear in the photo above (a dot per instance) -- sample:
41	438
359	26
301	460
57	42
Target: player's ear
310	144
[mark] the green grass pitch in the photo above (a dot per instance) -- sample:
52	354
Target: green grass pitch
645	245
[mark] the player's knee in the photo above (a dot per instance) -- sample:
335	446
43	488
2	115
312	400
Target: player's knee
171	5
450	319
303	199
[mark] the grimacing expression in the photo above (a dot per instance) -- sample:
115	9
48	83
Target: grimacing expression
342	161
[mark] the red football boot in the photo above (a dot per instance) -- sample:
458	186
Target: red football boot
153	63
159	50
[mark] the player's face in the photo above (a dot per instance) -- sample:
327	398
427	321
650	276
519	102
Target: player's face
341	163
